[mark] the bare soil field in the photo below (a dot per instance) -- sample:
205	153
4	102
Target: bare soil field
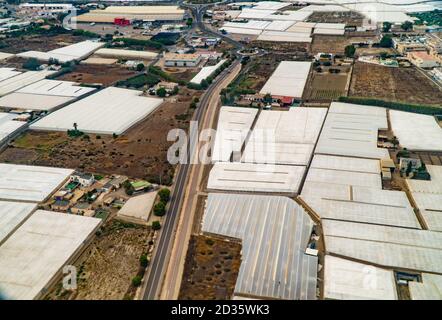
103	74
349	18
326	86
393	84
211	269
139	153
334	44
108	265
39	43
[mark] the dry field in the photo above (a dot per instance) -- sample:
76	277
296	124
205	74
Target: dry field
139	153
102	74
334	44
326	87
394	84
211	269
349	18
108	265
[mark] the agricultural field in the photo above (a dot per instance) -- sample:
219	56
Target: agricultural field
102	74
141	152
211	269
325	86
335	44
406	85
107	267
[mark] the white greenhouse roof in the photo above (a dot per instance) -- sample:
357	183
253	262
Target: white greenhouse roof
360	179
4	55
234	124
8	126
12	215
245	31
6	73
350	280
129	54
255	14
250	24
236	176
433	186
35	254
77	51
112	110
270	5
416	131
346	164
430	207
288	79
44	95
329	31
392	247
274	232
429	289
30	183
352	130
21	80
285	36
205	72
285	137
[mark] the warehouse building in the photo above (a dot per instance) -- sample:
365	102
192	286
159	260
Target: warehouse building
44	95
182	59
30	183
144	13
125	54
274	233
288	81
109	111
410	127
32	258
206	72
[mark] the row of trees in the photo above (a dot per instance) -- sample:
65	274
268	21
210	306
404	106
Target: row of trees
406	26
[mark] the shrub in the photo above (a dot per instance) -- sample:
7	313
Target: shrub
136	281
156	225
159	209
31	64
144	262
164	195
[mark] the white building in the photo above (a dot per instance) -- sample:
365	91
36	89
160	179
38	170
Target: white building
182	60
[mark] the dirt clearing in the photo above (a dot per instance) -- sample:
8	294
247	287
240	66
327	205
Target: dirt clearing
94	73
406	85
211	269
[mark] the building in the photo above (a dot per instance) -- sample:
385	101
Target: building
85	179
115	14
423	60
182	59
43	9
410	44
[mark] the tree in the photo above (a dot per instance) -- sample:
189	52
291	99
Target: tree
161	92
140	67
407	26
383	55
31	64
136	281
386	26
159	209
204	84
144	261
268	98
189	22
350	51
164	195
386	42
156	225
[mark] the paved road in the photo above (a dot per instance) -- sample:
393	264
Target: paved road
156	271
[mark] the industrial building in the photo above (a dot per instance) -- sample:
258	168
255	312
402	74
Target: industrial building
206	72
288	81
265	178
144	13
125	54
111	110
410	127
74	52
30	183
33	257
44	95
274	233
182	59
